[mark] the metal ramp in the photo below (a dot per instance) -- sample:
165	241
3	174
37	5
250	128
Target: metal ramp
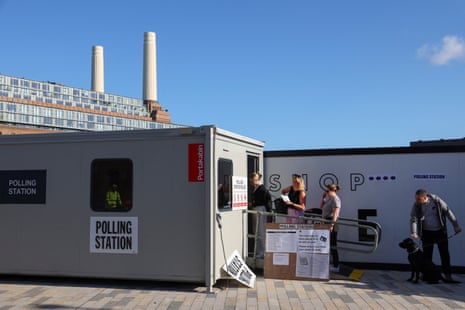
372	230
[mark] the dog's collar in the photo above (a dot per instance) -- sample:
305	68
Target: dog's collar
414	251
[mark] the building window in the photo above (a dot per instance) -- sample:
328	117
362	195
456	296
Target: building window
111	184
14	82
11	107
225	172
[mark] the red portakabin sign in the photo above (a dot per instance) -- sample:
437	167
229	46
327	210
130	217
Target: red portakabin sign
196	162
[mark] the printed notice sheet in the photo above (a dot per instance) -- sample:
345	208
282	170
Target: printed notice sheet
312	266
237	268
313	254
313	241
281	241
281	259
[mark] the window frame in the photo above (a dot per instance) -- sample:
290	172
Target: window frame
111	170
224	183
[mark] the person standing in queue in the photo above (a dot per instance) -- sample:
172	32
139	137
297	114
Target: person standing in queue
331	207
297	198
260	202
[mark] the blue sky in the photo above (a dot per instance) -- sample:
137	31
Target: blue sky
298	74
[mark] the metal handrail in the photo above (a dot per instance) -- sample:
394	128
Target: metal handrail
350	222
372	226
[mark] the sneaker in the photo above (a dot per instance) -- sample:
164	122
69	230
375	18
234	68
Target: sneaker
334	269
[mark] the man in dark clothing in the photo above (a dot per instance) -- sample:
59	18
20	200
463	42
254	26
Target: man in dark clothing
260	202
428	221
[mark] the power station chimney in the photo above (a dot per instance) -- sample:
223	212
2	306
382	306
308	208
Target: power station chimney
97	69
149	91
149	80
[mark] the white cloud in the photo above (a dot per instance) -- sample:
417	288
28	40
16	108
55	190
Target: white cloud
452	48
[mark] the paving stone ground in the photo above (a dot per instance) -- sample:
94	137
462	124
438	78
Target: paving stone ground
375	290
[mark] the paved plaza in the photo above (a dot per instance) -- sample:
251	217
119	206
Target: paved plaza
375	290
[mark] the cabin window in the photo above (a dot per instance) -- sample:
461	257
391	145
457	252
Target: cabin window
111	185
225	172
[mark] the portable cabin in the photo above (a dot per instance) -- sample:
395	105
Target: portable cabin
142	204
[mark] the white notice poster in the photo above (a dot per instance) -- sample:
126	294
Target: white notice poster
312	265
281	259
313	241
239	193
281	240
313	254
237	268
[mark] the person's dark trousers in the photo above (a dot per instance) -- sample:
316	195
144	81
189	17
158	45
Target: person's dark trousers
333	250
439	237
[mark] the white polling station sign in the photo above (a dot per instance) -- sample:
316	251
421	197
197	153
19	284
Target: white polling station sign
114	235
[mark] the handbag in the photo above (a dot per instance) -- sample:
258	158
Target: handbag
279	206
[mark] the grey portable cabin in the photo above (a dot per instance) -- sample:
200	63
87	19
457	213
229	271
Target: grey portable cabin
138	204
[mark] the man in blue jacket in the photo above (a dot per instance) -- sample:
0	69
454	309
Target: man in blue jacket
428	221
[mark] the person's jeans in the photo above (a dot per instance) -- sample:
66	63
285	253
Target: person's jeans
259	231
439	237
333	249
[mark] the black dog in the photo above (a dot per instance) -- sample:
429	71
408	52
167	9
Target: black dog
430	273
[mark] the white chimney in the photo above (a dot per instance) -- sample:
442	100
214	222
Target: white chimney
97	69
149	91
